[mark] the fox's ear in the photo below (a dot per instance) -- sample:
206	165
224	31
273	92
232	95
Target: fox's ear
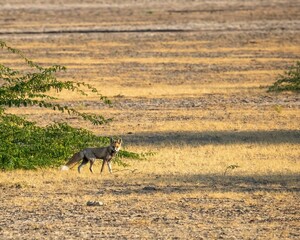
120	140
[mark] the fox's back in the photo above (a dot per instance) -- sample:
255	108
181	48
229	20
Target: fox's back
99	153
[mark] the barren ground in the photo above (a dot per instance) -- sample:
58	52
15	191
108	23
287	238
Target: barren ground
188	80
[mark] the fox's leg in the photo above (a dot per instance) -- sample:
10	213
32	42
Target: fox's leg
102	167
109	166
84	162
91	165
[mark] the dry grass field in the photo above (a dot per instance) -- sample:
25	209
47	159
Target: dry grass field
188	80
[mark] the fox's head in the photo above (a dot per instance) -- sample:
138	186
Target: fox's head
116	144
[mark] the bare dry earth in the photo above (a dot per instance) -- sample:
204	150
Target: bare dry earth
188	81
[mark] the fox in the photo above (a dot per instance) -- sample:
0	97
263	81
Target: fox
91	154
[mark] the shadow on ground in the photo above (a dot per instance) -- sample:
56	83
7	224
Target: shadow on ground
213	137
168	184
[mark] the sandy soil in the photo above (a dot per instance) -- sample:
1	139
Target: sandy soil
139	206
183	75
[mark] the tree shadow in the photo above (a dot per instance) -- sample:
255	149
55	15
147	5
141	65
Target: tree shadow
189	183
213	137
184	183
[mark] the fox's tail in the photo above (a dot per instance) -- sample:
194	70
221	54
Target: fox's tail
72	161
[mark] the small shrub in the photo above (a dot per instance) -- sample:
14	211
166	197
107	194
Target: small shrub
290	81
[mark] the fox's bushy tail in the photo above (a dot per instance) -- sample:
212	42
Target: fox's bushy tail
72	161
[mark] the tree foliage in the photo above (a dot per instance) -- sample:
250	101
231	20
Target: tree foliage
24	144
290	81
19	88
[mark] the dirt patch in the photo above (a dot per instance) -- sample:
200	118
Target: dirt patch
139	210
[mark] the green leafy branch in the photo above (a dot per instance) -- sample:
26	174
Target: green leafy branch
29	89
